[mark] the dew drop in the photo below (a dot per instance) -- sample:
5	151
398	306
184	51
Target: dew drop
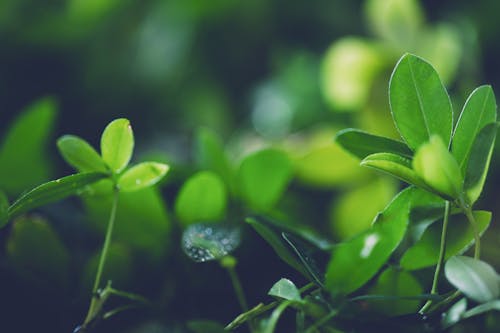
203	242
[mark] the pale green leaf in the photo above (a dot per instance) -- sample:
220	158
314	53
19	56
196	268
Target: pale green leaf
79	154
117	144
142	175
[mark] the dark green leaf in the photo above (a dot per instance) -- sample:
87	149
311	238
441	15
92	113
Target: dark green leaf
473	277
24	162
263	177
79	154
460	237
419	102
205	326
479	161
362	144
142	175
479	110
356	261
202	198
117	144
285	289
53	191
4	209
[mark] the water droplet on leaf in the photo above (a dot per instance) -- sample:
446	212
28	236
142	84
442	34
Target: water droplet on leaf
204	242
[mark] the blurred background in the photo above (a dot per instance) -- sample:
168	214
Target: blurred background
258	74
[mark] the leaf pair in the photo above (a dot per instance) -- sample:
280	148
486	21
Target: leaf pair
117	145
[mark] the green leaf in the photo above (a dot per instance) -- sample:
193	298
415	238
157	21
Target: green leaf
142	175
24	161
79	154
419	102
475	278
356	261
205	326
53	191
285	289
454	314
263	177
4	209
117	144
460	237
438	168
202	198
482	308
362	144
393	282
479	110
38	254
479	161
396	166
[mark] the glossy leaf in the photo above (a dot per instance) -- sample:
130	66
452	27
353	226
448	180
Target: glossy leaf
80	155
142	175
203	242
263	177
475	278
4	209
454	314
202	198
356	261
438	168
479	110
285	289
361	144
460	237
24	162
396	166
479	161
53	191
419	102
117	144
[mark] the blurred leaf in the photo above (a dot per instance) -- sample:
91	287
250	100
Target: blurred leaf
356	261
348	70
475	278
79	154
38	254
285	289
482	308
420	104
393	282
263	177
347	220
205	326
396	166
141	219
479	161
460	237
479	110
24	147
362	144
53	191
204	242
117	144
202	198
454	314
4	209
397	21
142	175
438	168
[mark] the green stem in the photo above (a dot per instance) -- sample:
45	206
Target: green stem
442	254
238	289
322	321
477	239
96	303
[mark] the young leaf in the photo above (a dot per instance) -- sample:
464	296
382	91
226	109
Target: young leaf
263	177
419	102
475	278
285	289
356	261
53	191
396	166
460	237
454	314
142	175
4	208
204	242
202	198
362	144
79	154
479	161
117	144
482	308
479	109
438	168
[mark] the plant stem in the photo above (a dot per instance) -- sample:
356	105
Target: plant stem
477	240
442	254
96	302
